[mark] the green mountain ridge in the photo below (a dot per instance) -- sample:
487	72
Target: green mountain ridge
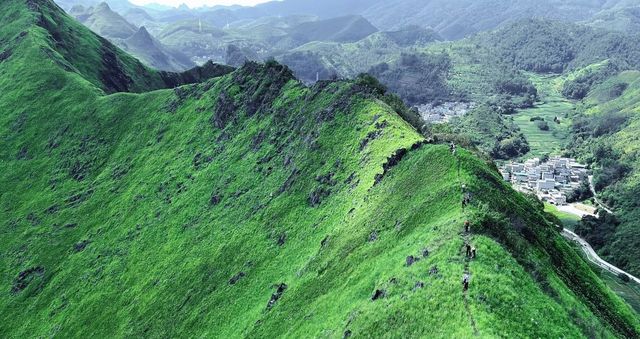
136	41
250	205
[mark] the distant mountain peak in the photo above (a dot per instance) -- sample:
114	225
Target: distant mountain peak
103	6
143	30
142	36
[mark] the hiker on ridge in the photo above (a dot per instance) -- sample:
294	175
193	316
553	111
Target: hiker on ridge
468	250
465	282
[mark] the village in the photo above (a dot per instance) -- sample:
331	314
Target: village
552	180
442	113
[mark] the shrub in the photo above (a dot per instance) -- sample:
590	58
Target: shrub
370	82
510	148
616	90
582	193
625	278
609	123
542	125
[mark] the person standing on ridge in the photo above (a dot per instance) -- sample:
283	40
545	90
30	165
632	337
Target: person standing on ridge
466	226
473	252
465	282
468	250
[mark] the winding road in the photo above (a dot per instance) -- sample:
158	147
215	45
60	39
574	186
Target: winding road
594	257
595	196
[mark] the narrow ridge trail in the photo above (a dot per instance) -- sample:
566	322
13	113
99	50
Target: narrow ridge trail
466	236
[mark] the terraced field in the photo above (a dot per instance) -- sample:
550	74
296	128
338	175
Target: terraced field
552	104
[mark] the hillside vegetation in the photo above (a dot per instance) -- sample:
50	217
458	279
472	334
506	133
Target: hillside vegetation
593	94
605	136
250	205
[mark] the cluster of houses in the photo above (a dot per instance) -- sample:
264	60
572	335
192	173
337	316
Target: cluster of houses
441	113
551	181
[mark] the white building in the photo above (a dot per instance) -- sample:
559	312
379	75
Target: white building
552	181
545	185
558	199
547	176
521	177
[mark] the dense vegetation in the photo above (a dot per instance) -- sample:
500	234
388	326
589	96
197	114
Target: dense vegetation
593	64
551	46
582	81
492	132
417	78
604	135
250	205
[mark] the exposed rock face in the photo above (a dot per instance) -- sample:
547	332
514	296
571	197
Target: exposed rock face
26	277
234	280
378	294
277	295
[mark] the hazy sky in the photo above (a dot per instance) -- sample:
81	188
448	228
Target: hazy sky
199	3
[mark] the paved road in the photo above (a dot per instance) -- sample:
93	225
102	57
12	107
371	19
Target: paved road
593	256
595	196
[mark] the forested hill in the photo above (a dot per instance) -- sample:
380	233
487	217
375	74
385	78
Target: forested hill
548	46
250	205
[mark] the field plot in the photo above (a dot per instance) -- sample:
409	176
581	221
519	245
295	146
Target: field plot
551	106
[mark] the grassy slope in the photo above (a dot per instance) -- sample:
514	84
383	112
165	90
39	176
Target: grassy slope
473	71
629	291
170	208
569	220
89	55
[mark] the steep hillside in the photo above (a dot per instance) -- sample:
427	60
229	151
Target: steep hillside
117	5
606	130
138	42
92	57
593	64
341	29
451	19
138	17
249	205
554	46
457	19
107	23
153	53
333	59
